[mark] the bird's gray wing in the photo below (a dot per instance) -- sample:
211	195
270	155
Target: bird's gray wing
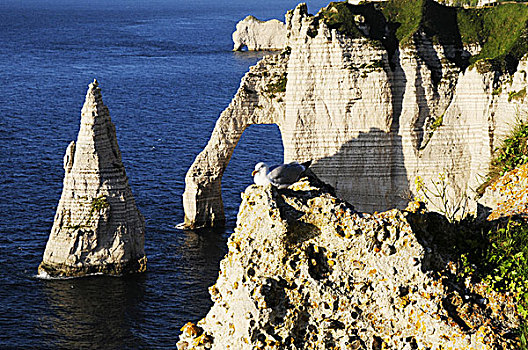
284	175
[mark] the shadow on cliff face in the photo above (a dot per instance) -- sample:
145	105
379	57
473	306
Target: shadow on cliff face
368	171
440	24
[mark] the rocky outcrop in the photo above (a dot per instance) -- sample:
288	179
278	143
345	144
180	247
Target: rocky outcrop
255	34
97	227
305	271
372	107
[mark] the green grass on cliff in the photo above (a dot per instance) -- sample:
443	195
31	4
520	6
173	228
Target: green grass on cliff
511	154
514	151
340	16
501	31
502	262
406	16
493	252
346	19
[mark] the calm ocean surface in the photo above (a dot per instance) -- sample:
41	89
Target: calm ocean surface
166	72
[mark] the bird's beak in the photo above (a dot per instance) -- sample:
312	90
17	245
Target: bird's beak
254	172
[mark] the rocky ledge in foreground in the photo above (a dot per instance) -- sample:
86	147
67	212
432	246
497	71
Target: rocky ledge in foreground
97	227
305	271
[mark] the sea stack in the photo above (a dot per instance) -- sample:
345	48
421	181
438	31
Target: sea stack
97	228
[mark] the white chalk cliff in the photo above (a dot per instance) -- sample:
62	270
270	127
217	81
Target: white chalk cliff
97	228
372	113
256	35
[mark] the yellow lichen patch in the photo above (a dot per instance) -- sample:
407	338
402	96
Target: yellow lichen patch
303	185
403	302
191	330
231	329
513	191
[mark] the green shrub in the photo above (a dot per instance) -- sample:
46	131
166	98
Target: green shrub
507	257
493	252
504	266
514	151
512	154
340	16
517	95
279	85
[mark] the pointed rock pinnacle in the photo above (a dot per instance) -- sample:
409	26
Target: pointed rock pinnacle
97	227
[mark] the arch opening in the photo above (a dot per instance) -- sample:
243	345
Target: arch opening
258	143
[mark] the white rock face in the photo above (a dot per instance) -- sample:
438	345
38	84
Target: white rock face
304	271
371	120
259	35
97	227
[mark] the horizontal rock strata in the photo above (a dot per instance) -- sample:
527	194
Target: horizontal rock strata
97	227
372	108
305	271
254	34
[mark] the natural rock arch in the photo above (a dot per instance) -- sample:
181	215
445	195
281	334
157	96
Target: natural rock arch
371	118
254	103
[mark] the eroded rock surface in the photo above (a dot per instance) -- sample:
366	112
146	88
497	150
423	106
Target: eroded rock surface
305	271
97	228
255	34
372	113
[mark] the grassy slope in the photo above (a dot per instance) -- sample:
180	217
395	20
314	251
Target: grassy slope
501	31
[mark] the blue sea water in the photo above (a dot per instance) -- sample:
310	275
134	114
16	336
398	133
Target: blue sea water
166	71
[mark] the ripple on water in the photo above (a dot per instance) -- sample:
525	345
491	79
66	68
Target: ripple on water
166	74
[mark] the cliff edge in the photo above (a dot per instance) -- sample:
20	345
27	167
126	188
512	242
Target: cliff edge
378	94
306	271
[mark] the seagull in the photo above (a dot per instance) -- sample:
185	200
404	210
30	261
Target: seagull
280	176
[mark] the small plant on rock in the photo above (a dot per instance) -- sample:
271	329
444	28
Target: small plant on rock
454	209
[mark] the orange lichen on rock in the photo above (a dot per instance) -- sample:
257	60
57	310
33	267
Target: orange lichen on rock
512	191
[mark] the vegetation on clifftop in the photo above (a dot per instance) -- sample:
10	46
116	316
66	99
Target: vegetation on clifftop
340	16
501	31
499	256
495	253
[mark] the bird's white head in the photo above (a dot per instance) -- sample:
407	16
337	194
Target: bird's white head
260	167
